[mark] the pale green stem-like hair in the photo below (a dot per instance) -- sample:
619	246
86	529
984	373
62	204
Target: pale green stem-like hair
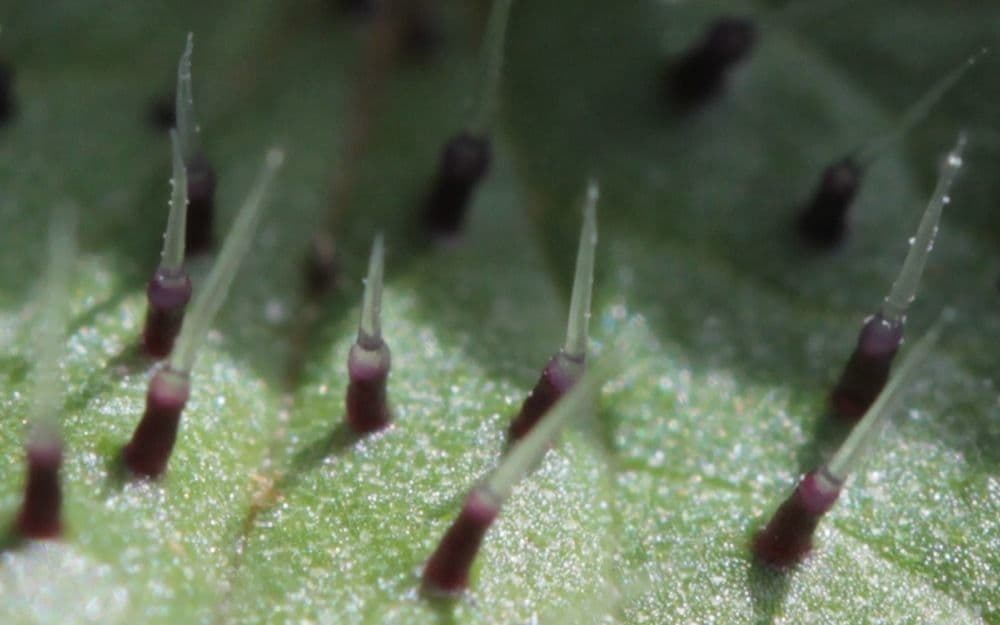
857	447
370	328
577	326
172	258
528	452
50	336
919	110
904	289
187	126
492	65
212	293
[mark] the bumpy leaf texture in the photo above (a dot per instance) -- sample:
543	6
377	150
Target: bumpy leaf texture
731	331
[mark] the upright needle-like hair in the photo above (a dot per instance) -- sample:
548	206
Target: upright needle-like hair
466	157
370	360
169	290
447	570
823	221
904	289
787	537
40	515
577	326
200	173
919	110
493	50
187	126
148	452
216	288
566	366
172	256
867	370
50	339
370	327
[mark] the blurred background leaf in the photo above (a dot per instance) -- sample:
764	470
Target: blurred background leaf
732	330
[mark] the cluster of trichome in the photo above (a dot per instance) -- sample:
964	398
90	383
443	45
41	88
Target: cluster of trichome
566	389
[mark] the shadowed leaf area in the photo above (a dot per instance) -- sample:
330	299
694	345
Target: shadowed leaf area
730	330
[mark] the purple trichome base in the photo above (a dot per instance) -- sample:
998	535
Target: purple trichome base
148	452
447	570
421	27
558	377
7	107
867	370
40	516
823	221
465	161
787	537
700	73
321	266
368	367
167	293
199	235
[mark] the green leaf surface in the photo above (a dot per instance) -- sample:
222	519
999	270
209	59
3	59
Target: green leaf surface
730	331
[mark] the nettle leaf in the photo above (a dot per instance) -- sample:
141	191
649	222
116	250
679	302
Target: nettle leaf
729	330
